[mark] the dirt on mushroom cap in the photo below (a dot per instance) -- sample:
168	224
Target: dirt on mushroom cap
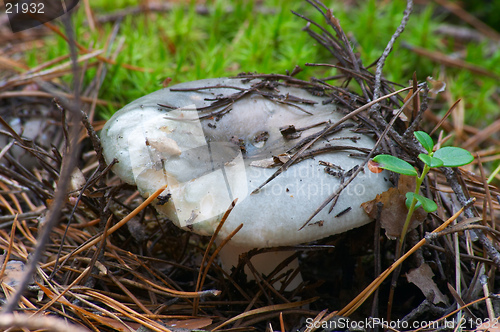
222	126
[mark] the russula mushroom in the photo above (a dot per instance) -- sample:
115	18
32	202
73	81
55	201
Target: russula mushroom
215	140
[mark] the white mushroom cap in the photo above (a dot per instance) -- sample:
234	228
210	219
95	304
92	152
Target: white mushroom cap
205	169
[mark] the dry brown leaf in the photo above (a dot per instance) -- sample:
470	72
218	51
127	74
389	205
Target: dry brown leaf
77	182
422	278
263	163
394	209
281	158
406	183
408	111
271	162
437	86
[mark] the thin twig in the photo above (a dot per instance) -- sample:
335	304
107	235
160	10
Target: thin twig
387	51
292	160
69	163
343	185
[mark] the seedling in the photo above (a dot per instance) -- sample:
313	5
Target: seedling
447	156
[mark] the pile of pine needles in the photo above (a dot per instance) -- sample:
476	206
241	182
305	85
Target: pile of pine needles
81	246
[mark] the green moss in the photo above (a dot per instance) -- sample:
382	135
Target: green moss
240	36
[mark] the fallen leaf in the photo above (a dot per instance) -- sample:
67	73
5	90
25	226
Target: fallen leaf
271	162
281	158
406	183
394	209
408	111
422	278
436	86
77	181
263	163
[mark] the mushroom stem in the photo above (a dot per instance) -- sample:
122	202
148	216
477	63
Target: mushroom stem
264	263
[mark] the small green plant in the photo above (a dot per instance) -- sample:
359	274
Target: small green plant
446	156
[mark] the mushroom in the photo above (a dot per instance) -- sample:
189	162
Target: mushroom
215	140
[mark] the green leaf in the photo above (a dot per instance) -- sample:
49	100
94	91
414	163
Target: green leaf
453	156
430	161
409	199
427	204
425	140
394	164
